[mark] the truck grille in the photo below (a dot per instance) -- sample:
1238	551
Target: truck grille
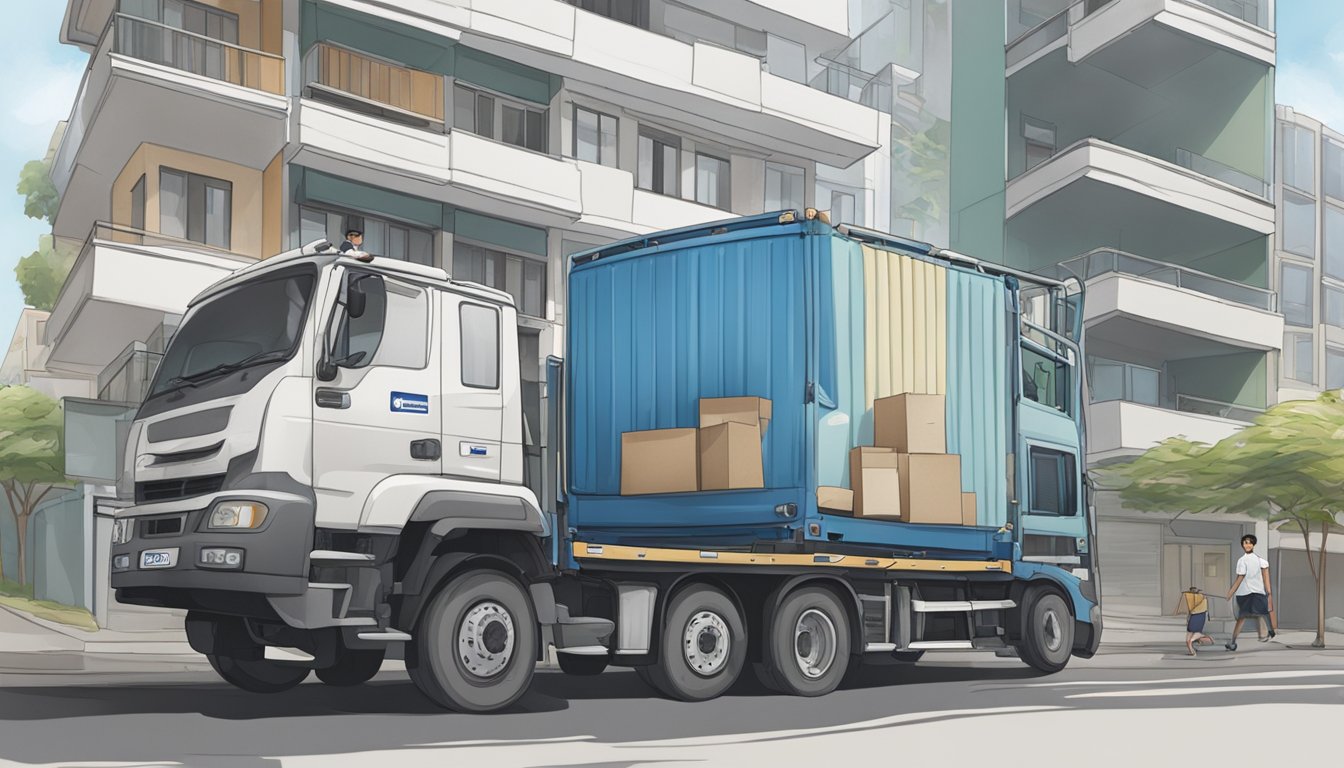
182	488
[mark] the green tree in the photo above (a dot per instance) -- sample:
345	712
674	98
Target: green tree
40	200
32	456
42	272
1287	468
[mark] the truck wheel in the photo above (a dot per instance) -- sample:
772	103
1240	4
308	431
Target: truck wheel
807	649
580	664
352	667
704	645
1047	632
257	675
475	645
646	676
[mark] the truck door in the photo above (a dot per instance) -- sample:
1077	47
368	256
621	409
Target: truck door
475	377
379	416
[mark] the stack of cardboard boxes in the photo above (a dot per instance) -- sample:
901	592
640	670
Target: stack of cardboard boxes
724	453
907	475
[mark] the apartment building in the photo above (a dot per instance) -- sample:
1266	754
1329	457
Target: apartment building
1309	279
491	138
1139	157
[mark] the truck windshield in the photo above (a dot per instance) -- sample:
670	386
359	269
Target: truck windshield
255	323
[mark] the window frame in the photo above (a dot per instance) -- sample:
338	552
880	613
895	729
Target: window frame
525	258
1332	213
1285	266
1288	153
498	102
1069	491
317	207
666	139
785	171
138	199
1289	368
201	184
1332	148
1027	121
462	341
600	115
723	186
1290	192
1337	353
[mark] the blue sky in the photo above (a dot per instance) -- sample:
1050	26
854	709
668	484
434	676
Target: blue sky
44	76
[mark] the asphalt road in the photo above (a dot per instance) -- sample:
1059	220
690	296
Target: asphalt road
193	719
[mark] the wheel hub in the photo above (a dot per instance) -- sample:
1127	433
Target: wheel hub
485	639
814	643
706	643
1053	635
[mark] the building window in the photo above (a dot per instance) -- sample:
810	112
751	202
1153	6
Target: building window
1334	306
521	277
1113	380
1299	225
499	118
659	162
1039	138
382	237
783	187
138	204
1298	357
1295	294
1299	163
1334	368
712	178
594	137
196	208
786	58
633	12
480	346
1332	167
1333	242
1054	487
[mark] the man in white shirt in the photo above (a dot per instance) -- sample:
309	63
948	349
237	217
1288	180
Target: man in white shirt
1255	598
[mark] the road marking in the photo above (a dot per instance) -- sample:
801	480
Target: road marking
1203	679
508	742
1197	691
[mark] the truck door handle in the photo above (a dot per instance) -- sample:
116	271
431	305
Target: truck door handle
426	450
331	398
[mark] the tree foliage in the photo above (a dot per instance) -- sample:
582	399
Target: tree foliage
40	200
32	456
1286	468
42	272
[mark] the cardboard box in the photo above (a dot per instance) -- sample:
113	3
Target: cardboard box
874	474
834	499
730	457
968	508
659	461
930	488
753	411
911	423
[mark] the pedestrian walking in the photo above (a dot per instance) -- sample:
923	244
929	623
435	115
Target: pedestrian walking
1255	598
1194	603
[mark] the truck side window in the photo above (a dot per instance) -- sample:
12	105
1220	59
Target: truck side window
358	338
1045	380
480	346
1054	483
394	329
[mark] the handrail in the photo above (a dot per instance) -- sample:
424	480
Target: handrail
1207	407
1171	274
240	65
382	83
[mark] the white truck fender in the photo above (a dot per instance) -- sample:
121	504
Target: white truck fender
394	501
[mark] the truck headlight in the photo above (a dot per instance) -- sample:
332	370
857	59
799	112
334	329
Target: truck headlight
122	527
238	514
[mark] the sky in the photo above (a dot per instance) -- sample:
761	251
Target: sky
44	76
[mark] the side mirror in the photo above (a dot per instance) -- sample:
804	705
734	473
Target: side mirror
356	302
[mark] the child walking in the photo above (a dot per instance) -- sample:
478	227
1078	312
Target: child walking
1255	597
1196	604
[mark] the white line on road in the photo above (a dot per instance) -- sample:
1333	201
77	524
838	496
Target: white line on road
510	742
1198	691
1204	679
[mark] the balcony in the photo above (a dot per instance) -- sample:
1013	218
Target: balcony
817	24
487	176
1180	312
148	83
1156	207
677	84
886	55
127	378
1117	429
122	285
1147	41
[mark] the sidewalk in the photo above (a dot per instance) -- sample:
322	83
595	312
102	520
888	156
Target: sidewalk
28	643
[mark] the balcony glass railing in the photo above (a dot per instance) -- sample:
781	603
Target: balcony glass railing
895	39
1207	407
200	55
1257	12
1037	38
1104	261
367	84
127	378
1221	172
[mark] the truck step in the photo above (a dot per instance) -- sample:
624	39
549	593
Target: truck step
959	606
276	653
879	647
386	635
585	650
940	645
332	557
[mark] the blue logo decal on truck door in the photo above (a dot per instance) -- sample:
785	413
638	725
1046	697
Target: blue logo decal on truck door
409	402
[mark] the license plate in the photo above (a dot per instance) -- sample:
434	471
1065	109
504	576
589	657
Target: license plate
158	558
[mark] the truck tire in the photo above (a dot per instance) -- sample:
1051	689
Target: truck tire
1047	631
257	675
352	667
807	645
704	645
581	665
475	645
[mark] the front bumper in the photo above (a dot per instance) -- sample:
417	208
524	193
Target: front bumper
275	556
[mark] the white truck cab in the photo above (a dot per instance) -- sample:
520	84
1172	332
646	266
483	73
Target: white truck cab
329	460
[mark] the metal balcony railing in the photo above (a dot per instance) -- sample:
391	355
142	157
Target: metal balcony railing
367	84
158	43
1255	12
1221	172
1207	407
1104	261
